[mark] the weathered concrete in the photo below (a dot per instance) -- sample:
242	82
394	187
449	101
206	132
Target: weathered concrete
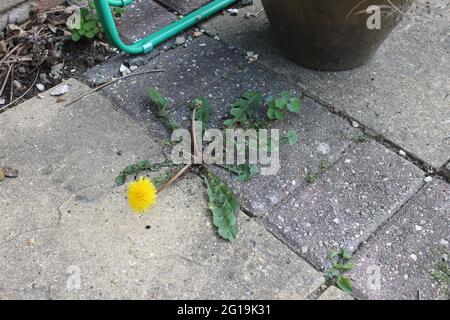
333	293
63	218
6	4
188	74
184	6
17	14
346	204
407	250
142	18
59	150
322	137
207	68
402	94
180	256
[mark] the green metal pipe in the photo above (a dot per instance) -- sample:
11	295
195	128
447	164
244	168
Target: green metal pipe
120	3
150	42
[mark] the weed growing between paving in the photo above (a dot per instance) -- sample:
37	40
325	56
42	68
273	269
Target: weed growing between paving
84	21
245	113
340	263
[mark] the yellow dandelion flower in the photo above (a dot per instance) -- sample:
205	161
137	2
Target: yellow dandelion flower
141	195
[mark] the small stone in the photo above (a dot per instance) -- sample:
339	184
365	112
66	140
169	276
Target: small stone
336	221
10	172
355	124
233	12
180	40
57	71
402	153
418	228
197	34
124	70
2	101
323	148
413	257
428	179
60	90
133	68
251	57
305	249
40	86
17	85
44	78
444	242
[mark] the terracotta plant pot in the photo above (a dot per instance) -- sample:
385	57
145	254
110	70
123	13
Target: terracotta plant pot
333	34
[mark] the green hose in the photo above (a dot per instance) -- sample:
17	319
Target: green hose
148	44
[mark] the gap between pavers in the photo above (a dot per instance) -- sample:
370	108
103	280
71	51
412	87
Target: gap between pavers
367	186
399	260
402	94
65	217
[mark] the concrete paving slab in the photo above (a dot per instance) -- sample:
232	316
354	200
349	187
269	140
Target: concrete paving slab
60	150
346	204
184	6
188	74
402	94
68	232
6	4
142	18
333	293
322	136
174	254
398	261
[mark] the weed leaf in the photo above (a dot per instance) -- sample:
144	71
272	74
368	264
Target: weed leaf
224	206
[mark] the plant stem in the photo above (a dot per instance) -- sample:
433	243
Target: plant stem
175	177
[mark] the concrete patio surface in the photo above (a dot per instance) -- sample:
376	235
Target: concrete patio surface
369	172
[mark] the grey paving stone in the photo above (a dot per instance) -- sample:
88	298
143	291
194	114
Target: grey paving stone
188	73
346	204
6	4
402	94
16	14
60	150
333	293
398	261
184	6
142	18
63	217
178	257
322	137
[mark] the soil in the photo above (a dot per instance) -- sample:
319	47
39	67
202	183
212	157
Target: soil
43	50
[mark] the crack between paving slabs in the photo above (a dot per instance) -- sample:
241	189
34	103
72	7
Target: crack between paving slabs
391	145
